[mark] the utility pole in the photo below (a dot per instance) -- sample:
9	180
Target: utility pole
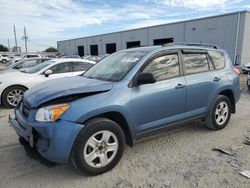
25	39
9	44
15	38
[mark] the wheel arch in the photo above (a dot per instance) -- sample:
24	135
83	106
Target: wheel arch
19	85
121	121
230	95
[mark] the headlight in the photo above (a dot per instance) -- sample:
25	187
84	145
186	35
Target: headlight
51	113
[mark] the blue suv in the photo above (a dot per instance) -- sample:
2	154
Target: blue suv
88	119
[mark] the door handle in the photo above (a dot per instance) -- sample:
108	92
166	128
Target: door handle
179	86
216	79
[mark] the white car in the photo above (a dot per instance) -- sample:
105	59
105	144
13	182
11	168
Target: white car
245	68
14	84
4	59
27	56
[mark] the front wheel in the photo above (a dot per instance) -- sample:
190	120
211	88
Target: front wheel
99	147
219	115
12	96
4	61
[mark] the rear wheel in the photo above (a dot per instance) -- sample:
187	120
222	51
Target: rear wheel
12	96
99	147
219	115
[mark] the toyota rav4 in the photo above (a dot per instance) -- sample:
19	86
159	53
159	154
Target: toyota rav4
88	119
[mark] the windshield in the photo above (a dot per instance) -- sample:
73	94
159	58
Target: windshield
37	68
114	67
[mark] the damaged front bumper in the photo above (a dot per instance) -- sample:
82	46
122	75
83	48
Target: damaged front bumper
53	141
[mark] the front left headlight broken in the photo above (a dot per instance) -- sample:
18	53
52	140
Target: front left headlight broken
51	113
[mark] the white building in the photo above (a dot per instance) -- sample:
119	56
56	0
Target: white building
228	31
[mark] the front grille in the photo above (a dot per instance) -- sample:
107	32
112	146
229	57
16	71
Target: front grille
24	109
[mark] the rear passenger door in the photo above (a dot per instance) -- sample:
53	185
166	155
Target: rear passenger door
80	67
202	81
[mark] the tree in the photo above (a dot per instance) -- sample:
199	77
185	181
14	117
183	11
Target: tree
51	49
3	48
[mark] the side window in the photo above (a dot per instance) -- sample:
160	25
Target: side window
195	63
164	67
81	66
61	68
29	63
218	59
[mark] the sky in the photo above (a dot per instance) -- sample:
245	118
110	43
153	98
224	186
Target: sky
47	22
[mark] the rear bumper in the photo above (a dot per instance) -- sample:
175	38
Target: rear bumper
245	69
53	141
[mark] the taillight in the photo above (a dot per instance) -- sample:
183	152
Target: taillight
234	69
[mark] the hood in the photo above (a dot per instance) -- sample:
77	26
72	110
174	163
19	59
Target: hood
12	73
63	87
3	71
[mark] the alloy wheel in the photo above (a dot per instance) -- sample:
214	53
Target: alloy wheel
15	96
100	149
221	113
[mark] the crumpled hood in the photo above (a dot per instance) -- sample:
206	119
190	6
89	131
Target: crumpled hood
61	87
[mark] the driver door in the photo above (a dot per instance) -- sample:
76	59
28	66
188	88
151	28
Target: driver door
163	102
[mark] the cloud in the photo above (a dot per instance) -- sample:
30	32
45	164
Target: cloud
49	21
193	4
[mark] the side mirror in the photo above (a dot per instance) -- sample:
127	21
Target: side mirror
145	78
47	73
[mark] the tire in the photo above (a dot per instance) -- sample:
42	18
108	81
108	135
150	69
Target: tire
4	61
82	148
248	85
7	93
214	119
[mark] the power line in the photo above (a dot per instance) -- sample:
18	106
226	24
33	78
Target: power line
37	44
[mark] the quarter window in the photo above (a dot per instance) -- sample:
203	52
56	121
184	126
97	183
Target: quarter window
218	59
164	67
61	68
195	63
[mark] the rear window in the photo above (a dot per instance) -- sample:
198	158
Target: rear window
218	59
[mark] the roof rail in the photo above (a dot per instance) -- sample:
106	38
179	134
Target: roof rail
192	44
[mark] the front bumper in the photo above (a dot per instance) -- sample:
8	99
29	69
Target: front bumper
53	141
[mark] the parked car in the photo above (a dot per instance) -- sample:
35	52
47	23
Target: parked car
248	81
24	63
4	58
88	119
92	58
245	68
51	56
70	56
27	56
14	84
